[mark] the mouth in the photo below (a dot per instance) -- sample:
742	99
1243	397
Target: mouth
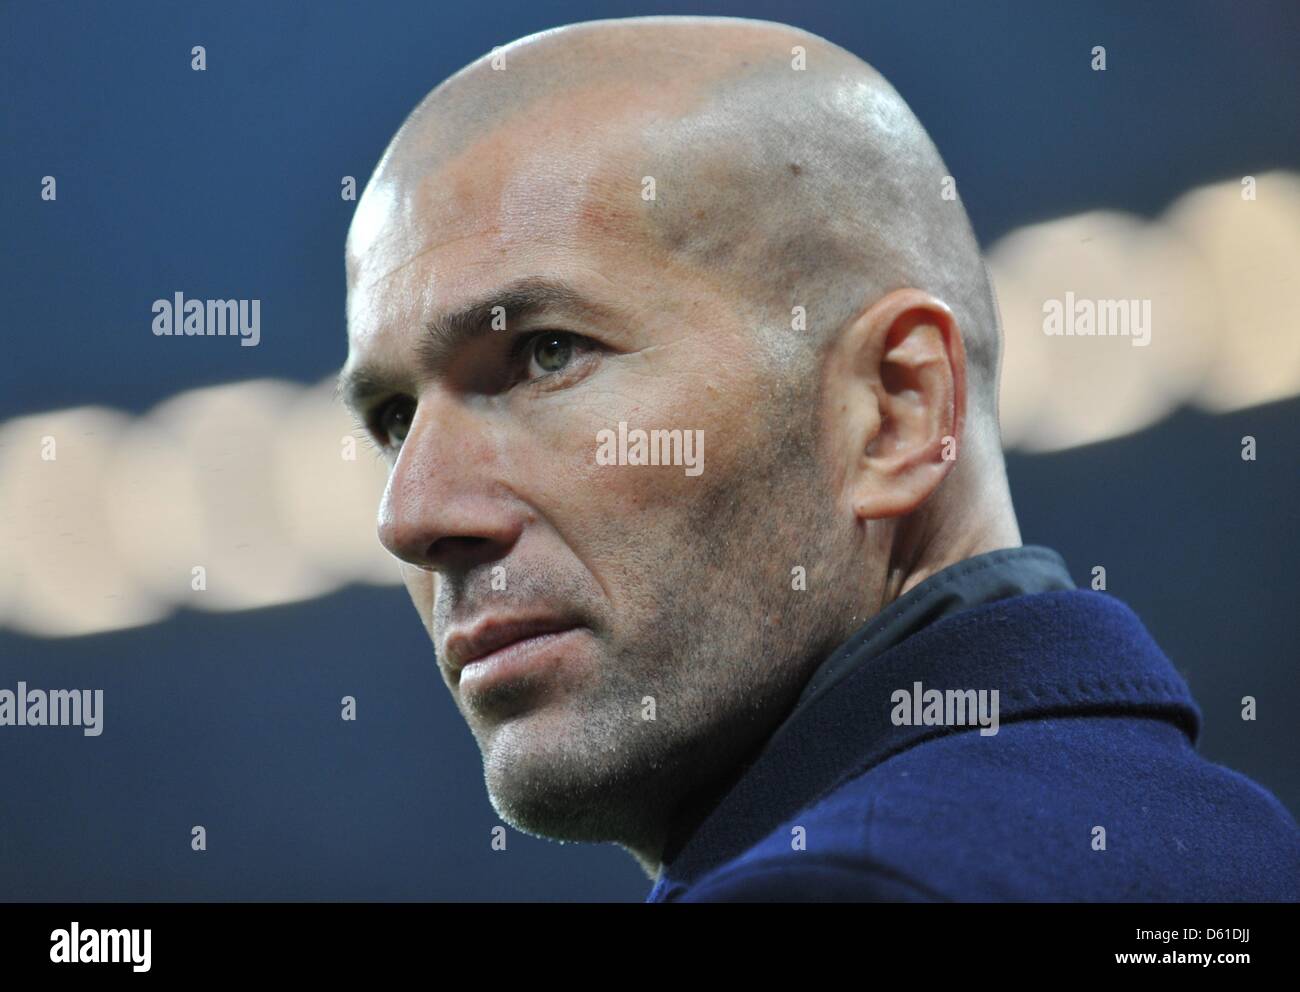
489	636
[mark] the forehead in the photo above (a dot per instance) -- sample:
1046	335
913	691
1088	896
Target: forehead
535	195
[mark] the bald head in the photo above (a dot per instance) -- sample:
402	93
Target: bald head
723	231
752	152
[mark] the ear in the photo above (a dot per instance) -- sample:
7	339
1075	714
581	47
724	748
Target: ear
898	381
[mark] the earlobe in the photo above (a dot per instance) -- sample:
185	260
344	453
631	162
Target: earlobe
911	361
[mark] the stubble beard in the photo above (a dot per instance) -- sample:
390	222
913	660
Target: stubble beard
723	654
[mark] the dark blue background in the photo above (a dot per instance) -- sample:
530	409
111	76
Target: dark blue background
226	183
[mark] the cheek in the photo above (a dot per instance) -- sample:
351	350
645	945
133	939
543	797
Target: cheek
577	466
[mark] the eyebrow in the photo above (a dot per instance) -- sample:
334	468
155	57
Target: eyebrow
521	300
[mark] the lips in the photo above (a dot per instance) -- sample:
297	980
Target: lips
471	642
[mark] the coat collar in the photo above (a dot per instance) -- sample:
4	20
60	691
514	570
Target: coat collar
983	578
1059	653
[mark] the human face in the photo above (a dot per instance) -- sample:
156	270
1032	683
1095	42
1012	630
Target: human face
655	633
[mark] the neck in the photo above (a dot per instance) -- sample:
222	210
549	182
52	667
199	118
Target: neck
945	538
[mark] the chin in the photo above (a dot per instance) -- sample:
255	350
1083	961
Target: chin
564	792
555	814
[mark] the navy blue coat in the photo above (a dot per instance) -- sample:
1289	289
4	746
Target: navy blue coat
1096	730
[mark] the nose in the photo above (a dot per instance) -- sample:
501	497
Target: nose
445	508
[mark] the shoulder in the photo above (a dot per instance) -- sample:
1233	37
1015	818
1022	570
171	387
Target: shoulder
1082	809
811	878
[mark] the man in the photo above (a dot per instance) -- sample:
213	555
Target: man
686	373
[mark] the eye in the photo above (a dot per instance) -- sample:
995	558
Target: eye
549	352
393	420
